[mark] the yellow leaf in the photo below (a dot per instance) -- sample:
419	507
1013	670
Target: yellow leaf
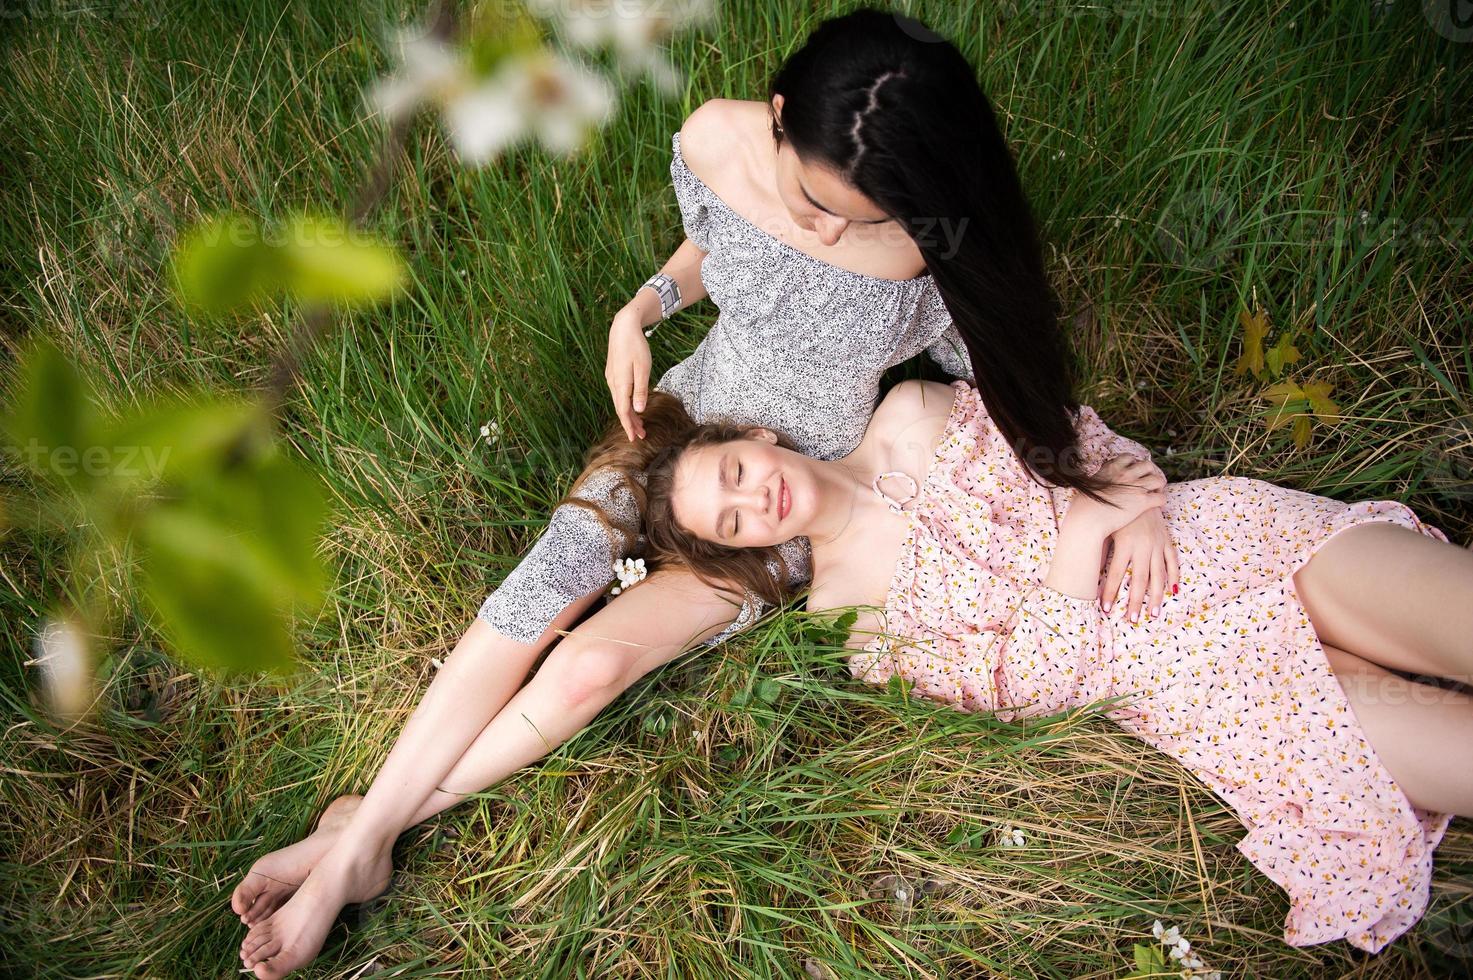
1284	391
1301	432
1284	394
1281	354
1255	328
1318	393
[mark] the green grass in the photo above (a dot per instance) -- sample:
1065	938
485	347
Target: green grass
1258	132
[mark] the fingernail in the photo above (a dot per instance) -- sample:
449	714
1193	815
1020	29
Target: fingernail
1175	588
1107	607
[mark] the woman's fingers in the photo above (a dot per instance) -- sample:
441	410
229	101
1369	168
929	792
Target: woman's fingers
1140	579
641	398
1113	574
621	391
1158	582
641	391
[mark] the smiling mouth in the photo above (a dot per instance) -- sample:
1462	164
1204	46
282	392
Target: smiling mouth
784	500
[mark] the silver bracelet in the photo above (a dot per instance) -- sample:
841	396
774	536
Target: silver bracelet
668	290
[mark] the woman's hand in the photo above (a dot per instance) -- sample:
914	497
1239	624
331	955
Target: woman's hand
1145	546
627	370
1137	485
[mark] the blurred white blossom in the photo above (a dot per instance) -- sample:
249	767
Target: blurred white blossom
491	432
1011	837
634	29
529	91
66	669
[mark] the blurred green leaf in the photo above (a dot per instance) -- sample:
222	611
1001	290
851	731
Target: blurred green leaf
232	261
226	263
52	418
229	543
328	262
215	601
177	437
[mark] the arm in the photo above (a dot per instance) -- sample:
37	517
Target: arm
572	558
1059	620
1098	442
627	369
684	266
1144	545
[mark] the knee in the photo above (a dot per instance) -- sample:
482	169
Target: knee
582	668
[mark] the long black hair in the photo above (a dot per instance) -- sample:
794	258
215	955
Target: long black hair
898	112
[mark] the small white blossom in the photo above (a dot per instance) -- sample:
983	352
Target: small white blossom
629	571
1059	155
491	432
436	662
1181	950
1012	837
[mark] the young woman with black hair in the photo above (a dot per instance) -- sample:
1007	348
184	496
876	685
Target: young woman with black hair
867	211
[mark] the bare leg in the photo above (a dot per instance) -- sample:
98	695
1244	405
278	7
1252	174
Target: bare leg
480	676
1394	597
1421	732
637	631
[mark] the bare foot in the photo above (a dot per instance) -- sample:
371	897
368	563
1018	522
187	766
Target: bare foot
274	877
292	936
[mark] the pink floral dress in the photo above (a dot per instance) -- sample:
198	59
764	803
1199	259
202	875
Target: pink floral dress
1230	679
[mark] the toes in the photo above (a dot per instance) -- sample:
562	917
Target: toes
273	969
254	941
263	907
267	948
245	893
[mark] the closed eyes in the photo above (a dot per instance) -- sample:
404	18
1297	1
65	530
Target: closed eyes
737	515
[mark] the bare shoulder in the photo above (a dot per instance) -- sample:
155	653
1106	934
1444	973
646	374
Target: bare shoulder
913	401
715	135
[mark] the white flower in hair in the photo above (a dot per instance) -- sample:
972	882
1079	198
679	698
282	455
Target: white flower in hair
629	571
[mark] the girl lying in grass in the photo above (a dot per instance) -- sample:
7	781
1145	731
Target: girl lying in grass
1268	673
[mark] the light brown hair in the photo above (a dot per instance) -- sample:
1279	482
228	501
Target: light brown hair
669	432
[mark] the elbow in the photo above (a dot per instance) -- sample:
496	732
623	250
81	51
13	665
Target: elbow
583	669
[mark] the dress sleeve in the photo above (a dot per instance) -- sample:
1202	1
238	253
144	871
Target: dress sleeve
798	558
1051	638
690	194
573	557
944	344
1098	442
